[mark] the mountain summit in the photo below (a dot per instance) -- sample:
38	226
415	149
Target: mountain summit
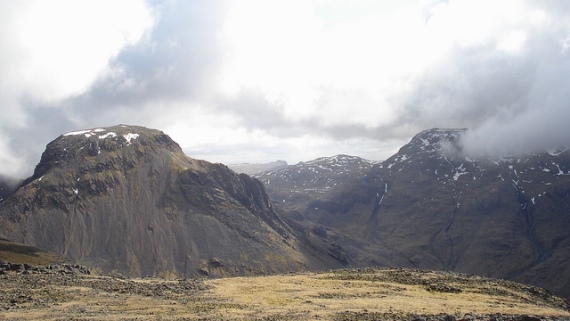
127	199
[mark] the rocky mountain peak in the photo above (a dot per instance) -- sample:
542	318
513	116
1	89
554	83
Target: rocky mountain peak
435	140
101	145
430	148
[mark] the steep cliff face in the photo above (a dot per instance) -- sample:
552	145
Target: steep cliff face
127	199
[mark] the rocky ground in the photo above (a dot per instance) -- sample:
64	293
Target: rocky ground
72	292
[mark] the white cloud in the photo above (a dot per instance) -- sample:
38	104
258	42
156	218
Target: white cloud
12	164
64	45
284	79
51	50
297	58
343	63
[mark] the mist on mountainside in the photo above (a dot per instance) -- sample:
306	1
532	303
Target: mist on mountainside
530	132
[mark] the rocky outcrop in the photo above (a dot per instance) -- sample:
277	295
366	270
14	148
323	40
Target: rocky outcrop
126	199
59	268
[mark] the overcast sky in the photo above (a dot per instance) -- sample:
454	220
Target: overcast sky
256	81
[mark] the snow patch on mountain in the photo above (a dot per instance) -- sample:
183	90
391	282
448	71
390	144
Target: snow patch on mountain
557	151
107	135
314	177
95	132
336	161
130	136
87	133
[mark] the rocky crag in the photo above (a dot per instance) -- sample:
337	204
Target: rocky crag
430	206
126	199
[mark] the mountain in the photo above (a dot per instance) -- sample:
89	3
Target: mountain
251	169
429	206
294	186
126	199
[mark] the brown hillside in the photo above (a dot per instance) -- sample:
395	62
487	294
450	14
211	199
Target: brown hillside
21	253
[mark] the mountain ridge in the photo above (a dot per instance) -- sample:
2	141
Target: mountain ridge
430	206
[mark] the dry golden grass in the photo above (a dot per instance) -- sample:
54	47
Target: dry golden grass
307	296
325	295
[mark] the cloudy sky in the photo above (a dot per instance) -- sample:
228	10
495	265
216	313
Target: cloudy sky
256	81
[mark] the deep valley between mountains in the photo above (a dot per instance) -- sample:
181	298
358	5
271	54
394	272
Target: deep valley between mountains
127	202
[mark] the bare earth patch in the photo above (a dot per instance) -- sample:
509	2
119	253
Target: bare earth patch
370	294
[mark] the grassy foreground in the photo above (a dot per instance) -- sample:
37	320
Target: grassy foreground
370	294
